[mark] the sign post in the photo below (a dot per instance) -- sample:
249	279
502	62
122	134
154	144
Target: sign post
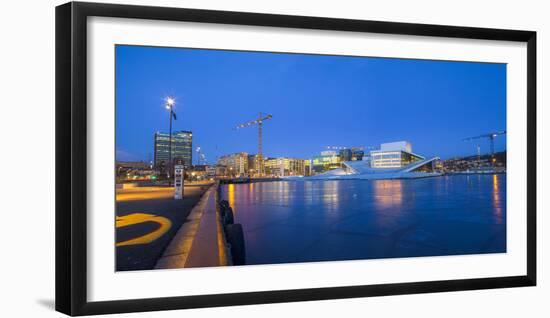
178	182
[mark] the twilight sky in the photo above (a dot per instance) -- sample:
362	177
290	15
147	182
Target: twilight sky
316	101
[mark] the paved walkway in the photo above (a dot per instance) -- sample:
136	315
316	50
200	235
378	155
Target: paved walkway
147	220
199	241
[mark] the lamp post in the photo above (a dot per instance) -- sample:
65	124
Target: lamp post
170	102
198	156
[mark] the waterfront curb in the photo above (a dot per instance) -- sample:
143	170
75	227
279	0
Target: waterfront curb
177	252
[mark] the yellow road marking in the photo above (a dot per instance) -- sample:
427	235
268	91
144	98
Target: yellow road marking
145	193
137	218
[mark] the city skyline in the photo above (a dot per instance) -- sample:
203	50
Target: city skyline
316	101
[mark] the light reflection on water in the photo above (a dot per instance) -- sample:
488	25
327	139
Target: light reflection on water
231	196
331	195
388	192
496	197
298	221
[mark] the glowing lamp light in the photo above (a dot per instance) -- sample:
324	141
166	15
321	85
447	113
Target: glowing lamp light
170	102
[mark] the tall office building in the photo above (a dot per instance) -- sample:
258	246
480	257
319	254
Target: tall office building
182	148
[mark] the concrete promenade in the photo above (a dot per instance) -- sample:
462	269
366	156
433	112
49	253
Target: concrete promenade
199	242
147	218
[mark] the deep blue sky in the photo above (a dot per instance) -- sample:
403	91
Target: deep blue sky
316	101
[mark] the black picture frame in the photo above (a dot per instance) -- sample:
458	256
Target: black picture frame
71	157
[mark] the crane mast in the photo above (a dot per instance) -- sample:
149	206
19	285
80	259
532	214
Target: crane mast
260	149
491	136
259	122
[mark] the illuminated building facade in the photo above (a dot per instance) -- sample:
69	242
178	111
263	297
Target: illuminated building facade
254	165
393	160
279	167
334	157
235	164
182	148
328	160
393	155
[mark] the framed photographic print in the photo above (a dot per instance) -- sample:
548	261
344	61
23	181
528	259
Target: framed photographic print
209	158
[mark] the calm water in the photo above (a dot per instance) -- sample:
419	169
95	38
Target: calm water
302	221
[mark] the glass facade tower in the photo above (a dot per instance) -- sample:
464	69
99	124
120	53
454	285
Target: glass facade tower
182	148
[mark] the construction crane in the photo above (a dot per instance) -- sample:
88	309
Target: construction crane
491	136
259	122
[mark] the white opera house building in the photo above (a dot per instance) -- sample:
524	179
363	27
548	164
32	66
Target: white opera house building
394	160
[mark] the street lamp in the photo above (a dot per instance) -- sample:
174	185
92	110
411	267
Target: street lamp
170	102
198	155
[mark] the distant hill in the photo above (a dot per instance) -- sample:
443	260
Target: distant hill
499	156
474	162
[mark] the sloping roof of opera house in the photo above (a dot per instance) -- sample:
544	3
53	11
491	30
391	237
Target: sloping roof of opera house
363	170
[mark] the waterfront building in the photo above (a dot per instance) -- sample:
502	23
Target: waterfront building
393	160
334	157
393	155
199	172
352	154
220	171
280	167
130	170
488	163
236	164
210	171
357	154
182	148
135	165
346	154
254	165
328	160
